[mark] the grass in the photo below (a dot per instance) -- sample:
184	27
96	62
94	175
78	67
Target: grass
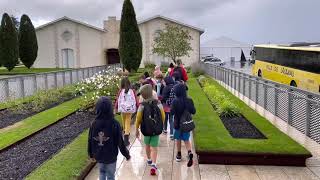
211	135
68	163
22	129
24	70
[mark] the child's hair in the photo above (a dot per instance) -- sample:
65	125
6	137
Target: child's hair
171	65
125	84
146	74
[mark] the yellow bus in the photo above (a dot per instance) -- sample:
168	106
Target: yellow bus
296	65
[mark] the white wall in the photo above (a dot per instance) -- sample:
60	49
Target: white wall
91	50
46	50
148	30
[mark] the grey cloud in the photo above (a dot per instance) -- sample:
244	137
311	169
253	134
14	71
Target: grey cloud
250	21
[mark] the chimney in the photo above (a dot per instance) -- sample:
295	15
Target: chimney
110	24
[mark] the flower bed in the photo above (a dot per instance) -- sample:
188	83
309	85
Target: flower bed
214	144
35	139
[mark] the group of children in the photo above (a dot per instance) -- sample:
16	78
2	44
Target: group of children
163	99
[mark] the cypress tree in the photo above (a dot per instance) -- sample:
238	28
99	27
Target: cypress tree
9	50
28	46
130	45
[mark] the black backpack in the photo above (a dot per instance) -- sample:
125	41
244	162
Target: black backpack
171	97
152	124
186	122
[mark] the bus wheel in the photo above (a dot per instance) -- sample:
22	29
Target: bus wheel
259	73
293	84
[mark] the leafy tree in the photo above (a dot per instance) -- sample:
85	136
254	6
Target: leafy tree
15	21
9	49
173	42
28	46
130	45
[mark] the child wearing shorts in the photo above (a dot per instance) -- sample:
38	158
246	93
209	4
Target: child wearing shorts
179	104
152	142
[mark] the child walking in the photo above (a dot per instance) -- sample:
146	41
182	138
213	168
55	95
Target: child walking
150	118
167	98
105	138
179	105
126	103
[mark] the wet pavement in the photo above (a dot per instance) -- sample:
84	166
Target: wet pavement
169	169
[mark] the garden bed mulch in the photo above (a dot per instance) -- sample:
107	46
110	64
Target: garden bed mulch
240	127
11	116
19	160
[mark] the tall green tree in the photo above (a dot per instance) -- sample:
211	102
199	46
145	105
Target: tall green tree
173	42
28	45
9	49
130	45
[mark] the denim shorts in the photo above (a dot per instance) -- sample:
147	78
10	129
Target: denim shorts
178	135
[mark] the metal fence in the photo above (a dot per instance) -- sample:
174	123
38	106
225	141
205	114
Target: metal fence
26	85
298	108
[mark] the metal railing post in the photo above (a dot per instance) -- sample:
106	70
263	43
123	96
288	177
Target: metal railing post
276	103
308	114
265	89
257	90
46	82
22	86
55	80
289	106
7	89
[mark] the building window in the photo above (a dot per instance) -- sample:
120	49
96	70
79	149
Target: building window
67	58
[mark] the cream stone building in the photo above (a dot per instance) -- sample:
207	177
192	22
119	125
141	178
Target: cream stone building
68	43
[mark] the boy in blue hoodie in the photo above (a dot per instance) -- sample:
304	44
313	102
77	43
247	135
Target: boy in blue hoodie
179	104
105	138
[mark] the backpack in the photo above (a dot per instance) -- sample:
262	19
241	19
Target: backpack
152	124
127	102
186	122
171	97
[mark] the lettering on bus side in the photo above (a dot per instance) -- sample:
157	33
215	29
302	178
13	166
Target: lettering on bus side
287	72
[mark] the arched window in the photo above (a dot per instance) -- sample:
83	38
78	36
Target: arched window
67	58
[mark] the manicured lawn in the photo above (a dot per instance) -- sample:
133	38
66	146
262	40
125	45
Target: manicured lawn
68	163
24	70
22	129
211	135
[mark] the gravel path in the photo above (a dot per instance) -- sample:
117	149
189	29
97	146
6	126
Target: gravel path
18	161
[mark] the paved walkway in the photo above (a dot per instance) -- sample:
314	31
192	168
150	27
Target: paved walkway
169	169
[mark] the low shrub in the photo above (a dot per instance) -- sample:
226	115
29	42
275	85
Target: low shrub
222	104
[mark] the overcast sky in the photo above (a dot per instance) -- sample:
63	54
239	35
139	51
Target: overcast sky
250	21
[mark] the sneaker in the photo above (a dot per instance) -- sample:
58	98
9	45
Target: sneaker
190	161
178	157
149	162
165	131
153	170
171	137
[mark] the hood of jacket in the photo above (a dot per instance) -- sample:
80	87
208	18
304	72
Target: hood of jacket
169	80
180	91
104	110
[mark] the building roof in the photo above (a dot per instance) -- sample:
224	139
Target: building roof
172	20
72	20
299	48
224	42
